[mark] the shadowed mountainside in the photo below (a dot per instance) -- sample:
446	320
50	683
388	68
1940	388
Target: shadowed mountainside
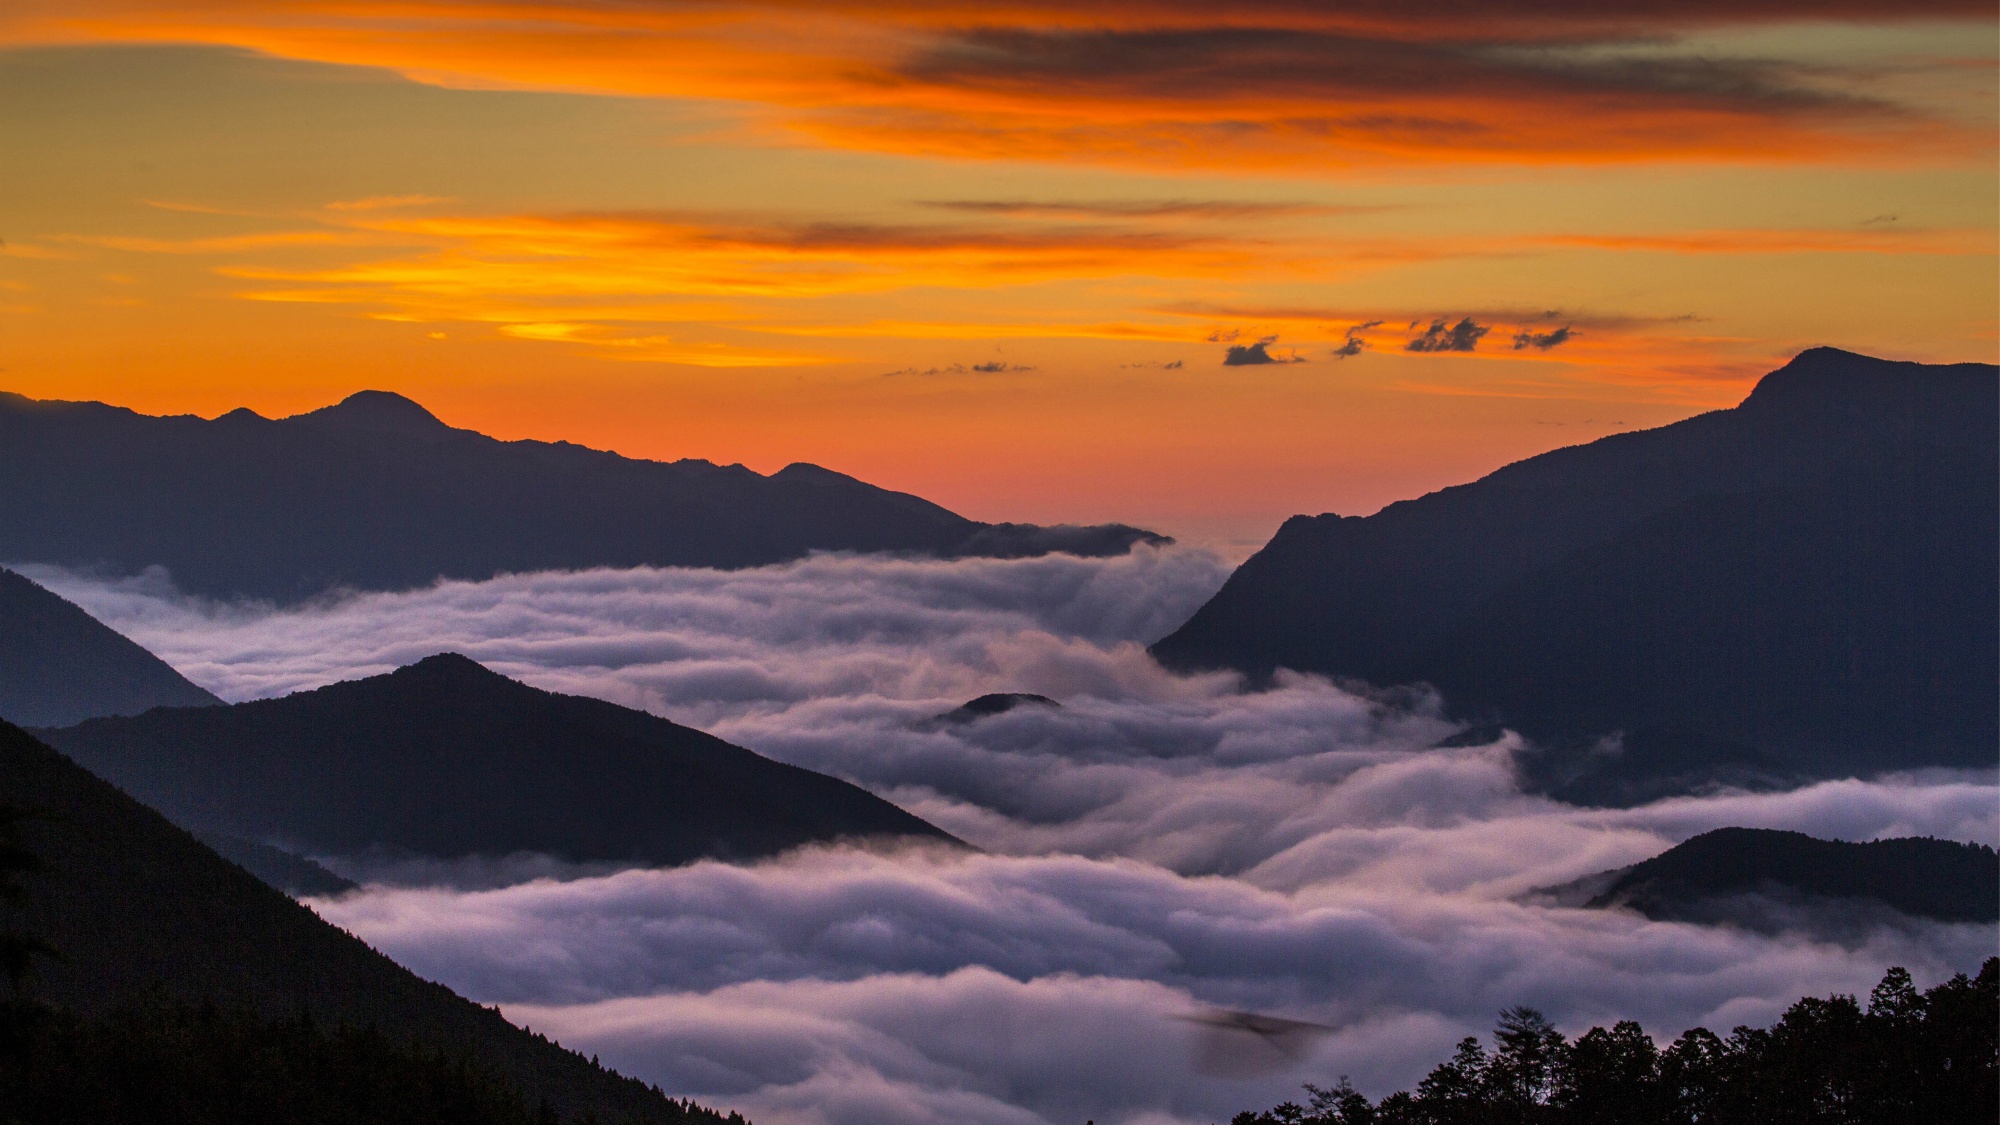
59	665
1806	584
133	904
446	759
294	875
1925	878
377	494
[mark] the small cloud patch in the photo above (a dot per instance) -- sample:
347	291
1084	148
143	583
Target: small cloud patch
1250	355
992	367
1354	344
1461	337
1541	341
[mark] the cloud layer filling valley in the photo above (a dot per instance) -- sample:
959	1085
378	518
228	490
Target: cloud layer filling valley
1159	846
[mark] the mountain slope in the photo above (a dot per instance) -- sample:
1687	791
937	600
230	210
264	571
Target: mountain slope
59	665
1925	878
377	494
1814	575
446	759
133	903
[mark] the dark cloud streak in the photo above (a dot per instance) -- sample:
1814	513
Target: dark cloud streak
1542	341
1461	337
1358	70
1257	354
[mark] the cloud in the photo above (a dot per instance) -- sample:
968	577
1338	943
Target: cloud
1271	84
991	367
384	202
1461	337
1150	208
1354	344
1541	341
1247	355
615	282
1159	847
846	986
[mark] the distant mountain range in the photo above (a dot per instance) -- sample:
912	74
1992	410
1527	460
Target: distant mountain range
377	494
133	904
446	759
1803	585
1710	877
59	665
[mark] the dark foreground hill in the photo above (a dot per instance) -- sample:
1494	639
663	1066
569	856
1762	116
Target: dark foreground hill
1702	879
1808	583
59	665
446	759
377	494
139	910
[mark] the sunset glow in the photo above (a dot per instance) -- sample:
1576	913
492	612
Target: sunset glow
1180	266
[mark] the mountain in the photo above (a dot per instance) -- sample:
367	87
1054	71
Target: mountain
135	908
375	493
1698	880
446	759
1805	584
59	665
295	875
996	703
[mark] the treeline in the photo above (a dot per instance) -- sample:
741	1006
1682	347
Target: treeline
166	1062
163	1060
1912	1057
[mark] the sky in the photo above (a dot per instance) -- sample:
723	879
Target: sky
1157	848
1190	266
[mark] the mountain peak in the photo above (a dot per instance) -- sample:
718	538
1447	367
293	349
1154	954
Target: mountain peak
450	666
806	472
381	411
1829	378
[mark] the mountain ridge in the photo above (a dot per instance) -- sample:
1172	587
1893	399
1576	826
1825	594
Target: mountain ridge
446	759
376	493
1848	505
1942	880
135	907
59	665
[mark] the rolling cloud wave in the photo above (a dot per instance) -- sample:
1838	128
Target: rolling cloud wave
1159	847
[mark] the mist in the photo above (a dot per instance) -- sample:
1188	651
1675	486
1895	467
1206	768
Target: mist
1159	847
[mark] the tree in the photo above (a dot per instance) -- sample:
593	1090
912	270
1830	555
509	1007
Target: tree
1912	1058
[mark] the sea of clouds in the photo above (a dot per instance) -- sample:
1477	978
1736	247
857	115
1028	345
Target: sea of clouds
1159	849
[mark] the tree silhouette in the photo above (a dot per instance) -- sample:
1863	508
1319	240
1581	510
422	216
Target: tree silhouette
1910	1058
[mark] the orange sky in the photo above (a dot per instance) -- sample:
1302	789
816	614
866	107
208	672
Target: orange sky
997	255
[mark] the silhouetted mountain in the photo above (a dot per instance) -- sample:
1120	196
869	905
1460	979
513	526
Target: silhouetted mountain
377	494
997	703
295	875
137	908
59	665
446	759
1805	584
1703	879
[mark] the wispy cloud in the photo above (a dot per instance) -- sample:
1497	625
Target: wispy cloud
1205	209
1440	337
1541	341
1269	84
1257	353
